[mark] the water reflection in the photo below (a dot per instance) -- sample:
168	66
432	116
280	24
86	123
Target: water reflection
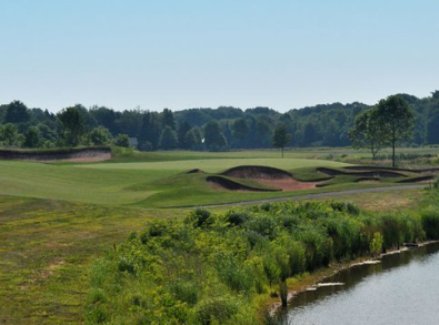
402	289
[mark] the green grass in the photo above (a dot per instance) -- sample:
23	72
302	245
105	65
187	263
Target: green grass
45	252
55	219
144	183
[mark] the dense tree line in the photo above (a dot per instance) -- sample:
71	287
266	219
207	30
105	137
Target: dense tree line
221	268
222	128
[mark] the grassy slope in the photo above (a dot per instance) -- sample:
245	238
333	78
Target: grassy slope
146	183
55	219
46	248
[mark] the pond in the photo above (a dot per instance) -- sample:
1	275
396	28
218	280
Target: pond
402	289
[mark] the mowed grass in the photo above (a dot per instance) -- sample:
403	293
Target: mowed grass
147	184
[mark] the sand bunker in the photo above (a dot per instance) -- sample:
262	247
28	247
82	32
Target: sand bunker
287	184
270	179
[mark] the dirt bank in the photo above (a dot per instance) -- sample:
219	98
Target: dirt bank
68	154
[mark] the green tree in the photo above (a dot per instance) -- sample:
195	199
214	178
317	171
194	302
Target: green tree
368	133
100	136
122	140
192	139
240	131
9	136
16	112
73	125
183	129
213	137
168	118
32	137
396	119
281	138
168	139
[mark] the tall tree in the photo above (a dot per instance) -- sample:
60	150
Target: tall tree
150	131
183	128
9	136
192	139
32	137
396	119
213	137
16	112
168	118
368	133
73	124
281	138
168	139
240	131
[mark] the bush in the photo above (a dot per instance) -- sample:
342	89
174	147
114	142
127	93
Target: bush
185	291
200	218
216	310
237	218
376	244
430	223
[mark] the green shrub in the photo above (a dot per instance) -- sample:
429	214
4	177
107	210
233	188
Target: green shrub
186	291
430	222
237	218
216	309
376	244
200	218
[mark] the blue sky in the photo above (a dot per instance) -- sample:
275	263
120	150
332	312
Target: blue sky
180	54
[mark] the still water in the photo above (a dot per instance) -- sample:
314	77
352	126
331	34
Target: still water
403	289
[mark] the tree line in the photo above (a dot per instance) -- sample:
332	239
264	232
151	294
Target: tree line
217	129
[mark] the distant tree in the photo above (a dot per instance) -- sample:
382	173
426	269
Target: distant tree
168	118
262	132
73	125
368	133
310	134
433	129
150	131
129	122
168	139
105	117
122	140
240	131
183	128
16	112
47	133
9	136
281	138
192	139
99	136
32	137
396	119
213	137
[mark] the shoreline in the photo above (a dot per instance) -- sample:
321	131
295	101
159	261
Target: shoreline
310	281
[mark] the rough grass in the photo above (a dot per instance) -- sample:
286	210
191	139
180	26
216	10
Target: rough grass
45	252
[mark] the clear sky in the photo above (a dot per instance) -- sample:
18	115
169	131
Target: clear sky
205	53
